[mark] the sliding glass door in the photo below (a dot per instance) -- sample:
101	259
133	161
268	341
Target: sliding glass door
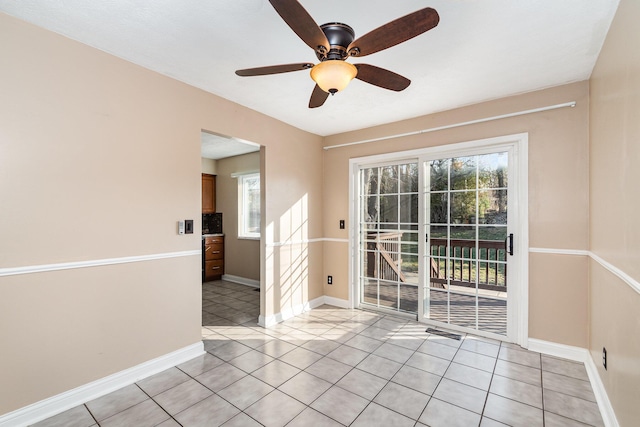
435	237
466	215
388	230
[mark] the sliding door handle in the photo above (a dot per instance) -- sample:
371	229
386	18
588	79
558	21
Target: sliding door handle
508	244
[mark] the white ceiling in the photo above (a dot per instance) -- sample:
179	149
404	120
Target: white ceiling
481	50
220	147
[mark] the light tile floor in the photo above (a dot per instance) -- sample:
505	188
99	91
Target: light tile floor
336	367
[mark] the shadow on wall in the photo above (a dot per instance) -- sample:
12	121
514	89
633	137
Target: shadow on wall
288	260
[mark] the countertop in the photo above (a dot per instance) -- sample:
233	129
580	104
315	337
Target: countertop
213	235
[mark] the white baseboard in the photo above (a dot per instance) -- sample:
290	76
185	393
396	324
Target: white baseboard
577	354
608	416
582	355
266	321
54	405
337	302
241	280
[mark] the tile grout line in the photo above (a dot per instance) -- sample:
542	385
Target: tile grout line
542	391
372	353
443	376
91	413
302	370
486	399
388	381
159	405
335	384
356	367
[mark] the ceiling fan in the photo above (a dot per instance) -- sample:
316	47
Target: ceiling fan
334	42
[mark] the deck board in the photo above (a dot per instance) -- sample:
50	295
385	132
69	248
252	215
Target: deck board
492	312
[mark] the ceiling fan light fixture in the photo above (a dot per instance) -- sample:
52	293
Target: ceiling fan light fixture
333	75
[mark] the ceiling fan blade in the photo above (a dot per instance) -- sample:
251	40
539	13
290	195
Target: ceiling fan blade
318	96
301	23
274	69
380	77
395	32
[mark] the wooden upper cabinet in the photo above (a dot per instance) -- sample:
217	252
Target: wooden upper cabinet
208	193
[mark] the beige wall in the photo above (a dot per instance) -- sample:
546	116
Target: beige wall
292	266
615	203
98	159
241	256
209	166
63	329
558	195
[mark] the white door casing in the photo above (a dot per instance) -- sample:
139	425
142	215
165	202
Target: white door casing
517	147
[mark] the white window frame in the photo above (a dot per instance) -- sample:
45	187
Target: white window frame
242	208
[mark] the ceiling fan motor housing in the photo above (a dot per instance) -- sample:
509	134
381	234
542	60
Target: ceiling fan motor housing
340	37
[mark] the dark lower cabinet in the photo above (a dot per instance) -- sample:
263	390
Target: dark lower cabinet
213	258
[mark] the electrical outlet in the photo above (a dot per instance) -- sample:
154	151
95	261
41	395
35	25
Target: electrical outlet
330	280
342	224
604	358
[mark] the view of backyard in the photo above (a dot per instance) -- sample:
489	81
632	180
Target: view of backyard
465	202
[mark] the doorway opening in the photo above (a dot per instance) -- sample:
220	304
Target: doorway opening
231	231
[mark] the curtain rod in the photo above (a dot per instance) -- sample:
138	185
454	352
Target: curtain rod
455	125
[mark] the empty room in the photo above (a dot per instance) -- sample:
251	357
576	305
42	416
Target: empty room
319	213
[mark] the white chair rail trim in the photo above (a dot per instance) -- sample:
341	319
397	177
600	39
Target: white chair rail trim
633	283
13	271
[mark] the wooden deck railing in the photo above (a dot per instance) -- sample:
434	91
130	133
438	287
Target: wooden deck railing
384	261
492	275
387	264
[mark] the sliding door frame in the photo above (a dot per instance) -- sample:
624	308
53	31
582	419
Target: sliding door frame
517	144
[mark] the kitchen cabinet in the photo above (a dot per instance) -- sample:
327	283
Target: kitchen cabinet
208	193
213	249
